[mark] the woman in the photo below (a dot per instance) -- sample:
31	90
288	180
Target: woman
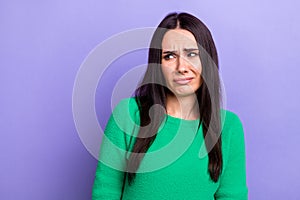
172	140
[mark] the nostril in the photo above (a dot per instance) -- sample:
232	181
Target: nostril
182	70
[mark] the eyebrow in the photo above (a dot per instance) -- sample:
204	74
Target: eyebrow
185	49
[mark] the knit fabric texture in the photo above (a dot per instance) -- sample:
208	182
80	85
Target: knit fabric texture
176	164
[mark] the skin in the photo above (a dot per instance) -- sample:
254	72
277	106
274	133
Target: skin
181	67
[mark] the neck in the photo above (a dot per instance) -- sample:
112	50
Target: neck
183	107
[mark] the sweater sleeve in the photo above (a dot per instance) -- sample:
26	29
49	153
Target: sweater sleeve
233	178
109	175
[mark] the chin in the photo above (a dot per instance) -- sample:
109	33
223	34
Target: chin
185	93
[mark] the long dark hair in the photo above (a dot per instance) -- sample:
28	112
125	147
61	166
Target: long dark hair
152	91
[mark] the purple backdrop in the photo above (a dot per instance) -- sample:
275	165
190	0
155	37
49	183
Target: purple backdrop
43	44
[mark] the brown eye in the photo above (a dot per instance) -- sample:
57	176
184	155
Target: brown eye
169	56
192	54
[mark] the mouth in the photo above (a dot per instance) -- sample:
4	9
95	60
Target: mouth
183	81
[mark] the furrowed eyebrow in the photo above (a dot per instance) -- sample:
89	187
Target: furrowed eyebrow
168	52
191	49
185	49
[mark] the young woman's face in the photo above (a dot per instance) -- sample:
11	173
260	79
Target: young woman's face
181	65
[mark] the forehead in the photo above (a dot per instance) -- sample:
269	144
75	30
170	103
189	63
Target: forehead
178	38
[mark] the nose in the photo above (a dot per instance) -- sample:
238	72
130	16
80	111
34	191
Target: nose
182	65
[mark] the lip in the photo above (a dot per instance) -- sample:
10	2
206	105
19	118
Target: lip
183	81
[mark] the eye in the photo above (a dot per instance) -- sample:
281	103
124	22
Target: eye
169	56
192	54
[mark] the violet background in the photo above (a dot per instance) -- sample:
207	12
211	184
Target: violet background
43	43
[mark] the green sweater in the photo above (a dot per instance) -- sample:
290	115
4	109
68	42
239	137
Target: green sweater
176	164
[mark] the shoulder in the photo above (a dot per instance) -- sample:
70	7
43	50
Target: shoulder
126	108
230	115
232	130
123	123
125	115
126	103
230	120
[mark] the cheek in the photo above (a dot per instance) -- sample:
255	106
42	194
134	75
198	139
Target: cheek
199	80
198	69
167	72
